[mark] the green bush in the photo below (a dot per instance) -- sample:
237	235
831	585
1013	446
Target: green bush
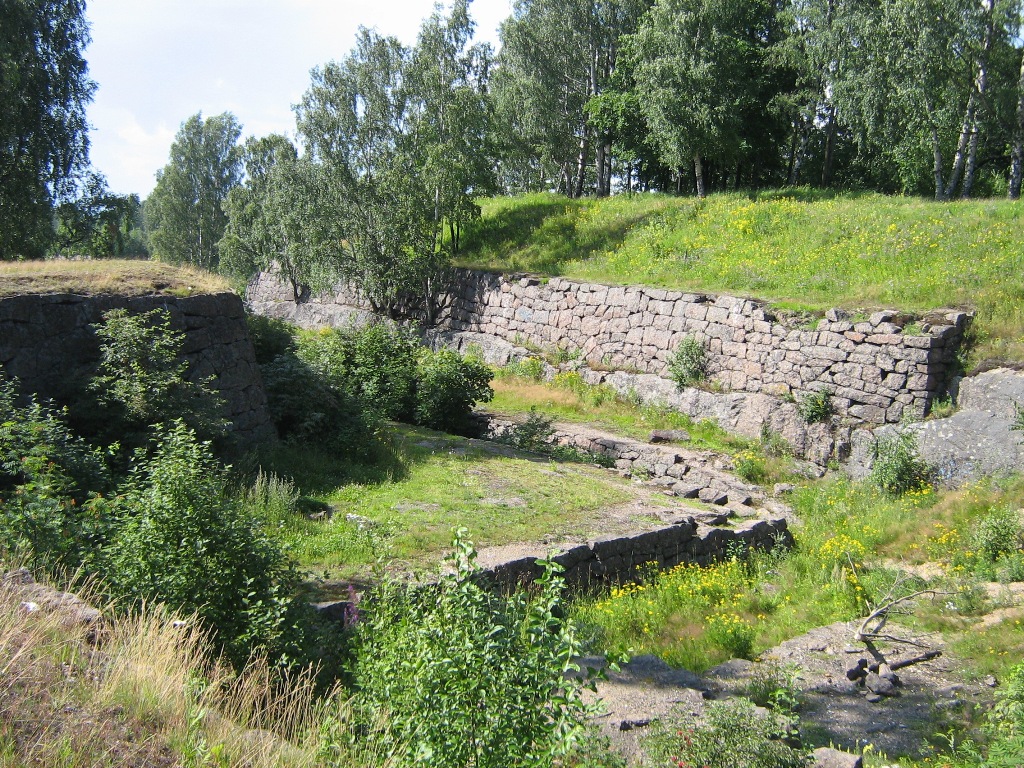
142	378
732	733
815	407
532	434
182	540
305	409
896	465
270	337
526	368
467	676
688	365
48	481
447	388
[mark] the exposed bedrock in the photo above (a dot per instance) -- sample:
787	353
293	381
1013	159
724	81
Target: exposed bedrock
976	440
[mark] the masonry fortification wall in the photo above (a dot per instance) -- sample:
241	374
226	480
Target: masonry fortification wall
47	342
879	367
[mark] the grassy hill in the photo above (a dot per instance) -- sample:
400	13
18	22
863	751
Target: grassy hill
106	276
801	249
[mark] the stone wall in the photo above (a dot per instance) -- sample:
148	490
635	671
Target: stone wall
47	342
617	560
879	368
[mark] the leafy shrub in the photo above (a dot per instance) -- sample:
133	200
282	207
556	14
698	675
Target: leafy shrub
994	547
182	540
688	365
896	465
375	365
270	337
1018	418
305	409
815	407
447	388
773	443
467	676
141	376
532	434
46	475
731	733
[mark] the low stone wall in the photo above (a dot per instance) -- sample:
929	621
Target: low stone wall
621	559
683	472
48	343
878	368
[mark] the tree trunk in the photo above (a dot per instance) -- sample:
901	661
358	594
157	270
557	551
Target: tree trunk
936	152
1017	150
830	147
797	151
581	169
961	149
981	84
698	170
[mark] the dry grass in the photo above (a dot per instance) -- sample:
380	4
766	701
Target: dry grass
148	695
106	277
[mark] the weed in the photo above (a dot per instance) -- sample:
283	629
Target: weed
730	733
942	407
775	685
815	407
896	465
774	444
1018	418
688	365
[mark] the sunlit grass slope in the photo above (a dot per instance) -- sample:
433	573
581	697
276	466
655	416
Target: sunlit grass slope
120	277
797	248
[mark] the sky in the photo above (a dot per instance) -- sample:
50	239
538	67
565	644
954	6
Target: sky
157	62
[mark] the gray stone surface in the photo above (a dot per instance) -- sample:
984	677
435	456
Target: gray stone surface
48	343
974	441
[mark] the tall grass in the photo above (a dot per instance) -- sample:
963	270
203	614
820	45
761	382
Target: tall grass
798	248
148	694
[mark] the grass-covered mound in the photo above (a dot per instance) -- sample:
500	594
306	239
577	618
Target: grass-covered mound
120	277
799	248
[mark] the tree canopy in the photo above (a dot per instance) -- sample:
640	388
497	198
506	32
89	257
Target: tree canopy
44	143
184	214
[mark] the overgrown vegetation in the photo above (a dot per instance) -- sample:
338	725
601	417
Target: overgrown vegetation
688	365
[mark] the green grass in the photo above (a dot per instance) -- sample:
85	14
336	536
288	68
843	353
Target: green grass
437	483
799	248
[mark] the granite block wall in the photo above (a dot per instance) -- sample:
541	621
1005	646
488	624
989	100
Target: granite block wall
47	342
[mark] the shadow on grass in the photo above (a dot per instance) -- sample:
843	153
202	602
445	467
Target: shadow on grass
542	232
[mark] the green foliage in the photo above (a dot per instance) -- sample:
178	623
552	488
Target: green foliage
896	465
815	407
731	733
751	467
533	434
993	549
1018	418
44	135
271	219
527	367
776	686
305	408
469	677
399	177
46	476
688	365
142	377
447	388
182	540
184	213
270	337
